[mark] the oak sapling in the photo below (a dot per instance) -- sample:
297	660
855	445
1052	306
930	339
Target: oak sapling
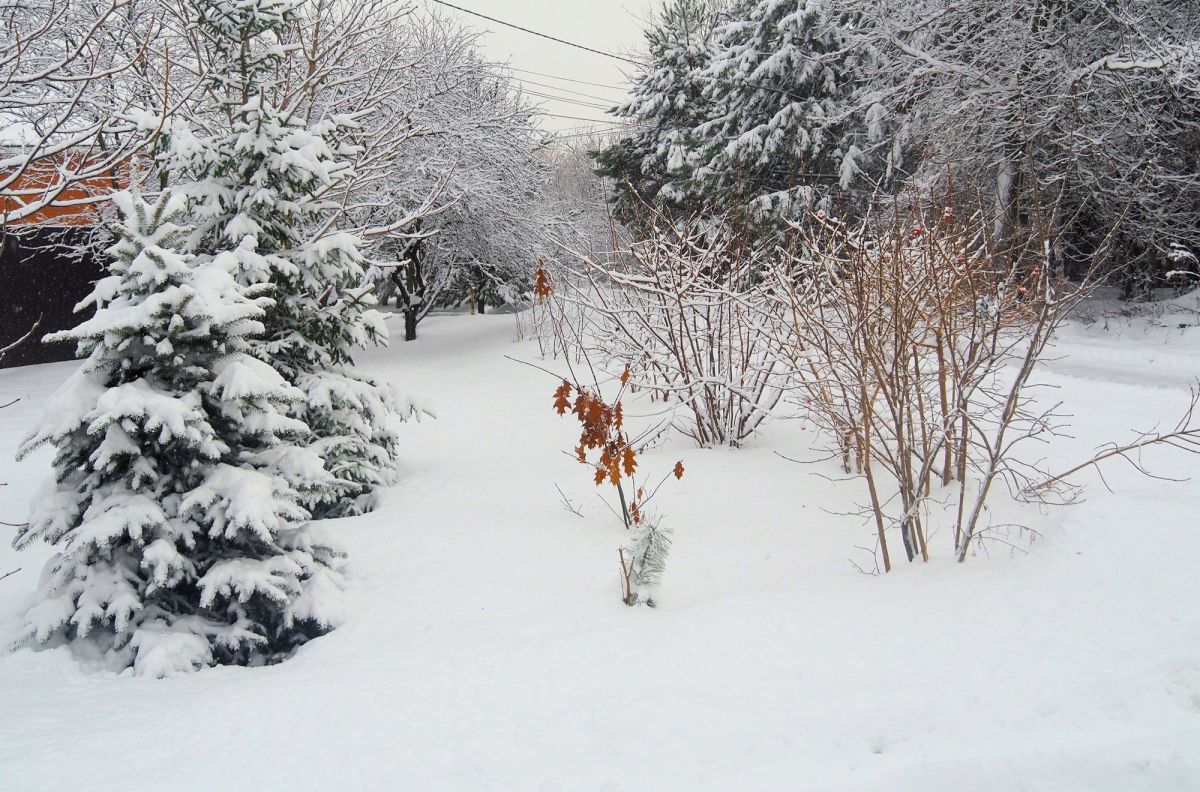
606	448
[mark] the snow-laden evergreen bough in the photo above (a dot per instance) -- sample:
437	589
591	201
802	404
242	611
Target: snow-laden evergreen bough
763	108
668	101
254	181
179	474
792	123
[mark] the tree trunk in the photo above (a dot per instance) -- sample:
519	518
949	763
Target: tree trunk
410	325
480	305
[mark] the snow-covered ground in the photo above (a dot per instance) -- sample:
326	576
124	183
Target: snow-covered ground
487	647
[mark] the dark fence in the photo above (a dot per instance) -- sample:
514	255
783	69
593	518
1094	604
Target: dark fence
44	272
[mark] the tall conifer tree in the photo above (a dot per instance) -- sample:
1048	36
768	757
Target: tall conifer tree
254	181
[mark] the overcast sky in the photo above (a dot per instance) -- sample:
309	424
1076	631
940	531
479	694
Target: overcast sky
609	25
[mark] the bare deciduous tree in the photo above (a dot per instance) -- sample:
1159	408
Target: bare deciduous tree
70	115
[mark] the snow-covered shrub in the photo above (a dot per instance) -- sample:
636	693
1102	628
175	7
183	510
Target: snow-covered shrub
556	323
1185	268
179	472
680	310
897	340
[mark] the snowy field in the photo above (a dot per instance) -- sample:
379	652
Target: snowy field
487	647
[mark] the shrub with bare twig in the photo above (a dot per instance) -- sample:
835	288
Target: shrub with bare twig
681	310
913	347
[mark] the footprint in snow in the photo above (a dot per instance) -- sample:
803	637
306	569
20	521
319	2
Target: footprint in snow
1184	685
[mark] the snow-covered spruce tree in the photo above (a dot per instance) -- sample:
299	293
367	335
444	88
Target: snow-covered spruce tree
792	124
177	482
668	102
254	176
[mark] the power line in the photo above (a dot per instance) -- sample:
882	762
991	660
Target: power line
579	118
566	79
581	135
609	132
612	102
566	100
592	127
535	33
603	122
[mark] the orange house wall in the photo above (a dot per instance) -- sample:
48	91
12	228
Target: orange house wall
31	185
